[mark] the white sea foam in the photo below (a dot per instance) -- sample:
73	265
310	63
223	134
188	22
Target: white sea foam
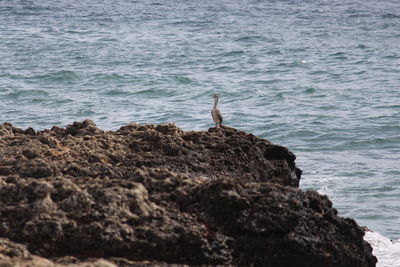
386	250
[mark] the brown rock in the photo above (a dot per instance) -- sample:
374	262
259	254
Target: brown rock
149	194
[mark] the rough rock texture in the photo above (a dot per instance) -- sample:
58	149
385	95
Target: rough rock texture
146	194
13	254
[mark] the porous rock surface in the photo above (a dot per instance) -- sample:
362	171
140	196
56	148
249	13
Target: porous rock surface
154	194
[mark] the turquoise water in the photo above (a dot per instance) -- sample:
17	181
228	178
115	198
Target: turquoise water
321	77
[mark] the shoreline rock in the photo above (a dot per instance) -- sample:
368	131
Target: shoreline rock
157	194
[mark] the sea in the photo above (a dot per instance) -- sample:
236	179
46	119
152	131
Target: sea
321	77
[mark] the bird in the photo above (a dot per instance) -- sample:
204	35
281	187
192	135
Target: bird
216	114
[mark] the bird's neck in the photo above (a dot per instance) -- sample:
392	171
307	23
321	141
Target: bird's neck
215	103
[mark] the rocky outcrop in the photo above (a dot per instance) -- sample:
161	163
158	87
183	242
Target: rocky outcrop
156	194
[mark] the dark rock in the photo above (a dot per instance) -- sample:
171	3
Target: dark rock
278	225
30	154
87	127
30	131
160	195
6	129
48	140
6	170
14	254
11	249
36	168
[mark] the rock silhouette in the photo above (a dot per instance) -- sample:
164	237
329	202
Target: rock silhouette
154	194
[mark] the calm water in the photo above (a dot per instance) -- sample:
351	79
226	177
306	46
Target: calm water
321	77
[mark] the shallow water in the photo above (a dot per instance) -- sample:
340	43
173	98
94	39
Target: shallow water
321	77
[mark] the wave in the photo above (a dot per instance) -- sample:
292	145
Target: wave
111	77
57	76
250	38
310	90
223	69
233	53
32	93
386	250
369	143
116	92
390	16
181	79
154	93
339	55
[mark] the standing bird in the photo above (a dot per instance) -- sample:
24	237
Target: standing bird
216	114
